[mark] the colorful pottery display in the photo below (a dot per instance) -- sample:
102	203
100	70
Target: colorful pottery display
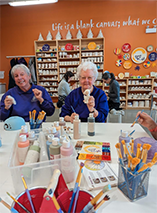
92	45
152	56
126	47
126	56
45	47
118	63
150	48
117	51
146	64
139	55
127	64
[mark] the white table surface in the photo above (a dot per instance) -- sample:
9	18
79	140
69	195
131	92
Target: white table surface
108	132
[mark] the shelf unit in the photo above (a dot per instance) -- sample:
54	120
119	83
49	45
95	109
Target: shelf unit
135	92
53	64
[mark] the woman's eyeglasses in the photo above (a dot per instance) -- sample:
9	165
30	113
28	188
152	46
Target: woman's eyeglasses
88	78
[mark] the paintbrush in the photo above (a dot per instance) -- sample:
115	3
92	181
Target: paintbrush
126	152
73	109
28	194
16	201
78	179
118	145
8	206
155	156
132	146
136	118
95	199
144	167
131	133
148	146
56	204
106	198
129	160
135	161
138	150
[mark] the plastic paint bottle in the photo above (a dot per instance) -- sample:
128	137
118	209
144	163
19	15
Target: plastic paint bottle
77	127
124	136
56	125
33	153
62	138
91	125
48	143
24	130
54	149
43	150
67	162
55	132
31	137
23	146
62	124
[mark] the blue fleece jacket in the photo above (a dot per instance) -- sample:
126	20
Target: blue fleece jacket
75	99
25	102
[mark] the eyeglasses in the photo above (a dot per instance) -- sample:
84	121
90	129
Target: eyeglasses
84	78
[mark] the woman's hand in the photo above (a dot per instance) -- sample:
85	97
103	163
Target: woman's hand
145	120
8	102
91	103
38	95
72	117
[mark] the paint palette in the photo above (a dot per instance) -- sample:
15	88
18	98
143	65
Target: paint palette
89	150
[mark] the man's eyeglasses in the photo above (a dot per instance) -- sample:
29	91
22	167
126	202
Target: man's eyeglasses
88	78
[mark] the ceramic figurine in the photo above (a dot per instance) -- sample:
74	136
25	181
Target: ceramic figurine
100	35
79	34
58	36
86	95
90	34
40	37
68	36
49	36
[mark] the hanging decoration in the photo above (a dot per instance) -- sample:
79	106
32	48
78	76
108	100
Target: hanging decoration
153	64
58	36
100	35
117	51
126	56
137	68
150	48
139	55
146	64
49	36
126	47
68	36
90	34
40	37
127	64
120	56
152	56
79	34
118	63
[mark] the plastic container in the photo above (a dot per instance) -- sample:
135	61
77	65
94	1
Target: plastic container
133	186
77	127
48	143
23	146
124	136
40	172
31	137
33	153
66	152
54	149
24	130
62	124
91	125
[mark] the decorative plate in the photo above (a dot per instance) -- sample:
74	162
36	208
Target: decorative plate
118	63
139	55
117	51
152	56
45	47
127	64
150	48
146	64
92	46
69	46
126	47
126	56
121	75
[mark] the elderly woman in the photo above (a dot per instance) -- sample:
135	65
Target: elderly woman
24	97
74	102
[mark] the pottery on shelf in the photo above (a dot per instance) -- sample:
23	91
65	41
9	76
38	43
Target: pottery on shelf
79	34
100	35
58	36
40	37
49	36
68	36
90	34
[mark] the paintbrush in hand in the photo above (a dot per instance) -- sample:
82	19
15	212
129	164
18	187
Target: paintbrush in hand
136	119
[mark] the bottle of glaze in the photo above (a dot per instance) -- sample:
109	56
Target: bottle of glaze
62	124
77	127
24	130
33	153
23	146
55	149
91	125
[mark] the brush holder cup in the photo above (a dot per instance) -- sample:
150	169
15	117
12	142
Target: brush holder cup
133	186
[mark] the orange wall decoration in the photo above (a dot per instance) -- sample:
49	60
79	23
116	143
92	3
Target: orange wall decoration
120	22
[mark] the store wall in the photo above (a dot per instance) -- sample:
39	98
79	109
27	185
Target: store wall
120	21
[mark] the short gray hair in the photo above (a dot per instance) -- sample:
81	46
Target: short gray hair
20	66
87	66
